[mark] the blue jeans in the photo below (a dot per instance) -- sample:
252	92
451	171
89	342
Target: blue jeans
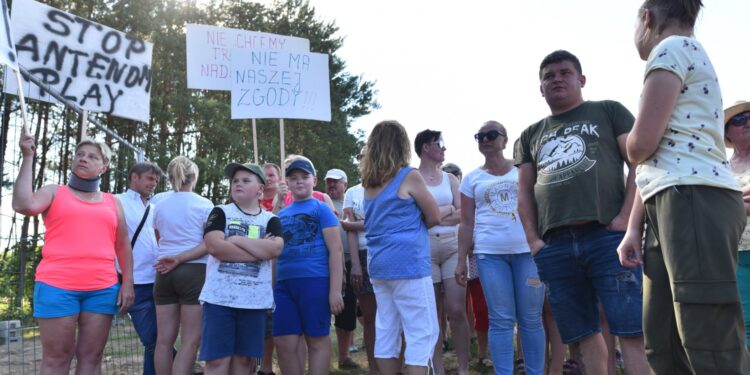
514	293
143	316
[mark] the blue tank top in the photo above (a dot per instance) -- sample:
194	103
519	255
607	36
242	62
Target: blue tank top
397	242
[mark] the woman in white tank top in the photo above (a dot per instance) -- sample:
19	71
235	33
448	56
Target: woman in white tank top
449	295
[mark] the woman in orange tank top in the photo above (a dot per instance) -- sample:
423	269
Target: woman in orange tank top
76	283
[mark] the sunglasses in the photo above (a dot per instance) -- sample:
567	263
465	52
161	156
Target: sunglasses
739	120
440	144
360	156
490	135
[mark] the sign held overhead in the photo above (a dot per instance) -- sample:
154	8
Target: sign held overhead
280	84
99	68
7	47
209	52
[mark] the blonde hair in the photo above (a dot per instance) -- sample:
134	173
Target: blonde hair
104	150
182	171
498	125
388	151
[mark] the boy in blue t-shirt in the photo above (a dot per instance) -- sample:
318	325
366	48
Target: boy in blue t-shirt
309	273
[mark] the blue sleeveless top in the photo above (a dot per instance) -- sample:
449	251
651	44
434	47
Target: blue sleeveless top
398	246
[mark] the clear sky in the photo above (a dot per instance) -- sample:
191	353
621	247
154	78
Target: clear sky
450	66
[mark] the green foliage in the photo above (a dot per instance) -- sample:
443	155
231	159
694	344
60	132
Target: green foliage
11	280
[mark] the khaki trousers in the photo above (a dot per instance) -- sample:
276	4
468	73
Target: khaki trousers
692	316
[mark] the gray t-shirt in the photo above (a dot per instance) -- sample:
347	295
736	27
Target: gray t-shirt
579	168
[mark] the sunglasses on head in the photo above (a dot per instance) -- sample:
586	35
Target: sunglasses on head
490	135
740	119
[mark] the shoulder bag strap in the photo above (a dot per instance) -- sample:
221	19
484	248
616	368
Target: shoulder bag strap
140	226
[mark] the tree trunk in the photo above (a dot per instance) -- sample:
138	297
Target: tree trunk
4	136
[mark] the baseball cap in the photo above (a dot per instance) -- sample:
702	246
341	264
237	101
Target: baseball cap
250	167
301	164
336	174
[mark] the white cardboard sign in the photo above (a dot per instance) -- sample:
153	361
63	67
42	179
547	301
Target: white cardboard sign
7	48
280	84
209	52
98	67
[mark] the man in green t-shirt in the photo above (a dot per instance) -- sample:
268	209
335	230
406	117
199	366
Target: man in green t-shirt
574	203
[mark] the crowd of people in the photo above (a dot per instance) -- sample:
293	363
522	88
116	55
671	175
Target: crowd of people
603	230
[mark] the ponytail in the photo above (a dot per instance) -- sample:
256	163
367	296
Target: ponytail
182	171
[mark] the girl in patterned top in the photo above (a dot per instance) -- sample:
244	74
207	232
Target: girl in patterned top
693	207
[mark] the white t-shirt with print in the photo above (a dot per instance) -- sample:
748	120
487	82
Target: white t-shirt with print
354	198
691	151
179	219
242	285
497	226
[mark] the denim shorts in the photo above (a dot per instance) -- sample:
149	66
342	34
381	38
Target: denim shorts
580	266
302	307
229	331
53	302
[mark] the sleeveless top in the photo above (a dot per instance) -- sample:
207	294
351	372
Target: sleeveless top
444	197
397	241
79	243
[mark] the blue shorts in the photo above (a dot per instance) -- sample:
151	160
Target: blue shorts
580	266
229	331
53	302
302	307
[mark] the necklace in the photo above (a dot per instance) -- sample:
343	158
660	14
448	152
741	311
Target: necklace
432	177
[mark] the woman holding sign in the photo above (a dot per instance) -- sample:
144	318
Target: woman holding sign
76	286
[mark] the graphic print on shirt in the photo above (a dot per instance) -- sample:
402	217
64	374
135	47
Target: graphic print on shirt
561	158
502	198
300	230
240	228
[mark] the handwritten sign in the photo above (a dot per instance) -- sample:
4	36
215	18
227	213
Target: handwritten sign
99	68
209	52
280	84
7	49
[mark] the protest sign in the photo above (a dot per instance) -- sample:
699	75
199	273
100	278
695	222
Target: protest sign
7	48
280	84
99	68
209	52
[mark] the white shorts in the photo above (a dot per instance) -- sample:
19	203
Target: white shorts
408	306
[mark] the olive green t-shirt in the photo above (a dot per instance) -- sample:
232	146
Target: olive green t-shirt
579	168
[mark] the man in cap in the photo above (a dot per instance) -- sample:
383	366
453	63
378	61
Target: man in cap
346	322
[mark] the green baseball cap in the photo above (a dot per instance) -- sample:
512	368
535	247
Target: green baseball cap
250	167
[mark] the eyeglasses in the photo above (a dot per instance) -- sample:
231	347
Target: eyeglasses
740	119
490	135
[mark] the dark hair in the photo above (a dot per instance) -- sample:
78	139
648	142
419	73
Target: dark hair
452	169
664	12
144	167
424	137
558	57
